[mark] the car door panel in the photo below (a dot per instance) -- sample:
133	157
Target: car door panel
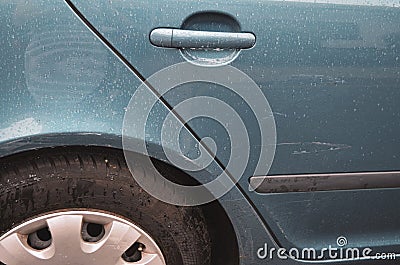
331	75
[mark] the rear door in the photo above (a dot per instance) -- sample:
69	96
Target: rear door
330	71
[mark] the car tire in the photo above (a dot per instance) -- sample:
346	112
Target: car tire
98	179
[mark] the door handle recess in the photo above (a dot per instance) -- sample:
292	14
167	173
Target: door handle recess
180	38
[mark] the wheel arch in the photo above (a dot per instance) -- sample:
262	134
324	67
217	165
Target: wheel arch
217	218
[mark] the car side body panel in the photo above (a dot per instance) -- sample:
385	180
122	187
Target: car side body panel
62	86
330	71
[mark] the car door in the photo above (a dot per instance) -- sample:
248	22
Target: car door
329	71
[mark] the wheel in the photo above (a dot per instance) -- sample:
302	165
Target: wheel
82	206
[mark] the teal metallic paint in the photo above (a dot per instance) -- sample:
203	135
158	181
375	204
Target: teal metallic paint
331	74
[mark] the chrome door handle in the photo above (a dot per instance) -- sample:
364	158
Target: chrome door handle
180	38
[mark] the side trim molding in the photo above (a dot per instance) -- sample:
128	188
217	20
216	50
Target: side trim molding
325	182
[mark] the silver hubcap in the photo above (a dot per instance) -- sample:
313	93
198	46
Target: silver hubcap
79	237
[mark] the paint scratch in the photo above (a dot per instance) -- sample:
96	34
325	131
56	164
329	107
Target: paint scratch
299	148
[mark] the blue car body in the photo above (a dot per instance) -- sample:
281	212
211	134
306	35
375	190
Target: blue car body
330	72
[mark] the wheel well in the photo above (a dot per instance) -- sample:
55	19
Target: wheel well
224	246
